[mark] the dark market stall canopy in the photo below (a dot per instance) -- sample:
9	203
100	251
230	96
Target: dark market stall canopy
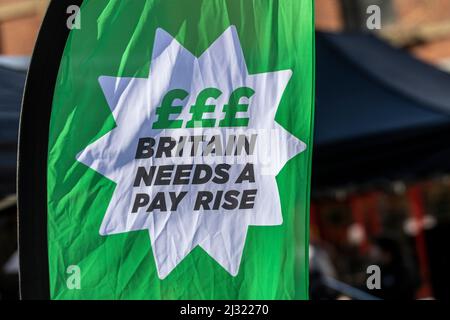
11	87
381	114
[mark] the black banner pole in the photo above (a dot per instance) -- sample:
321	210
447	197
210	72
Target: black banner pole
32	151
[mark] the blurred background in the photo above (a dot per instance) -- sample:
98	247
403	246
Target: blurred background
381	164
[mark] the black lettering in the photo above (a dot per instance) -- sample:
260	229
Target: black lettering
221	172
231	200
203	200
199	170
140	201
196	140
218	200
248	174
145	148
158	203
142	175
182	174
248	199
165	146
176	199
164	175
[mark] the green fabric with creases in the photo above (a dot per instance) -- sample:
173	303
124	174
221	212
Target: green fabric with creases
116	38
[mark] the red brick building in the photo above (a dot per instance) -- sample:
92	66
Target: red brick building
19	24
422	26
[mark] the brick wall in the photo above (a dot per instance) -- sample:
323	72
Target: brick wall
410	16
413	13
328	15
17	36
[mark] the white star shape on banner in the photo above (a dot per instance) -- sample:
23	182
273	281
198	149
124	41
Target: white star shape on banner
133	103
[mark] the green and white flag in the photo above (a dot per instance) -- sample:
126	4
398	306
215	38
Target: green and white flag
179	151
